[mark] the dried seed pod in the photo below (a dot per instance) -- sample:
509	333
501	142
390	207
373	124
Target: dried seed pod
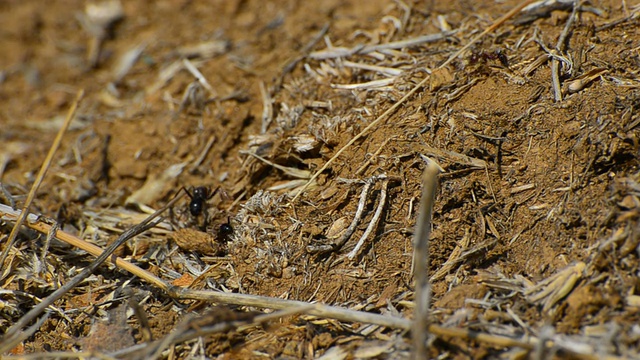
197	241
582	81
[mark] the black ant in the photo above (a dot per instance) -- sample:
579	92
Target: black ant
485	56
225	231
198	200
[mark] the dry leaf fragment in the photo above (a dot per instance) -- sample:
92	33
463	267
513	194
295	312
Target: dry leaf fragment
633	301
154	186
126	62
204	50
439	78
183	281
98	20
304	142
337	228
104	14
373	349
552	289
582	81
113	335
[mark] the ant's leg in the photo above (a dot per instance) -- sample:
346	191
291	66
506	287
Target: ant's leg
213	193
205	218
187	191
172	214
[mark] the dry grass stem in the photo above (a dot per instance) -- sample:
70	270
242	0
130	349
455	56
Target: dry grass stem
203	154
374	84
534	257
149	222
334	52
7	195
320	310
198	75
455	157
267	108
388	71
488	30
420	327
454	258
373	156
38	180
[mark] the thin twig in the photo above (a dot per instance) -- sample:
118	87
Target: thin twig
8	197
33	222
43	256
43	170
204	153
291	64
141	315
267	108
560	46
86	272
11	341
334	52
419	330
562	40
198	75
616	22
366	164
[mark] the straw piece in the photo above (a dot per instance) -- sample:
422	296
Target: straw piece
43	170
420	327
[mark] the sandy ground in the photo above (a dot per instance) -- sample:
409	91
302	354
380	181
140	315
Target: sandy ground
535	225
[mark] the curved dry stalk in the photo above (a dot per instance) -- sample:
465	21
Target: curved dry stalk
338	244
374	221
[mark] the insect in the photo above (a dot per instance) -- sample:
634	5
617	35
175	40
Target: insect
198	199
199	196
486	56
225	230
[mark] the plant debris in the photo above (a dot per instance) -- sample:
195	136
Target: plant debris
315	123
